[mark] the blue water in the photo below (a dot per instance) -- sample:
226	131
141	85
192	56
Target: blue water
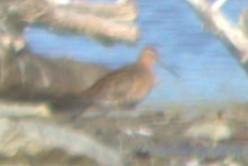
208	72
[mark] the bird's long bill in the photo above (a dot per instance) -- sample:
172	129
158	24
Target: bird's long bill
171	70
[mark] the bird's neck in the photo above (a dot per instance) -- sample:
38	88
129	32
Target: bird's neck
146	66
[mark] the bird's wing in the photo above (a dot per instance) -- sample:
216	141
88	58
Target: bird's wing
114	86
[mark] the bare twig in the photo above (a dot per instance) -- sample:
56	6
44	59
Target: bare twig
231	35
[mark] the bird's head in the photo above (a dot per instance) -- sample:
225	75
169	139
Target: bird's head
148	56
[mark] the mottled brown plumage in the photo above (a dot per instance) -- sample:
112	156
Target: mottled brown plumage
125	87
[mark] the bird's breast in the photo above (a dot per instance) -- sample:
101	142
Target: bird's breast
141	86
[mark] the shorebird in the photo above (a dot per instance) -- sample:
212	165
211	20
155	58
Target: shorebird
125	87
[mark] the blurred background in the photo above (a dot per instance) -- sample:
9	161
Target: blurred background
208	72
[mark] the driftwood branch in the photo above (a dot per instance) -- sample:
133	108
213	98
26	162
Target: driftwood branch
21	110
231	35
104	22
34	138
93	26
